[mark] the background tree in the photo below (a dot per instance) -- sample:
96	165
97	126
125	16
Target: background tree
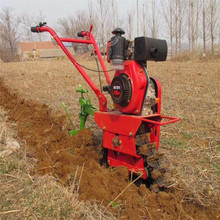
154	20
213	19
9	36
167	8
181	8
144	21
150	19
27	21
71	25
104	22
130	24
183	23
204	11
197	21
114	14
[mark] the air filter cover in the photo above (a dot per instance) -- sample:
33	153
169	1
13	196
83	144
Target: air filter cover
150	49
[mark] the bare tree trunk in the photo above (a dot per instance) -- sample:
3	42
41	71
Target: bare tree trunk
213	7
104	21
154	23
171	26
102	27
144	24
137	18
27	22
130	18
176	25
113	14
168	15
180	26
189	26
192	24
203	27
197	22
91	12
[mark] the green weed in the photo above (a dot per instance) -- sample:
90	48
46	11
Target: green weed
175	143
217	169
114	204
71	151
7	167
187	135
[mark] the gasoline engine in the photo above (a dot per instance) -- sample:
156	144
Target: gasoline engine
131	89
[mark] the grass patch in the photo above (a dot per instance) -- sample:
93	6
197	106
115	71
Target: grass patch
187	135
217	169
173	142
7	166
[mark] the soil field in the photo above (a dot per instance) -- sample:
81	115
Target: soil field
32	92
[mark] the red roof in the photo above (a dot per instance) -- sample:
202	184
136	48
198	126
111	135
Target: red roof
39	45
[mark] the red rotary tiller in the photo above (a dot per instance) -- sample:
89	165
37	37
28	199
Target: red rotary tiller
131	131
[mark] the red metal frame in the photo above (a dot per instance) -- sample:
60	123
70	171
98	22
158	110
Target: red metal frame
157	120
89	40
114	123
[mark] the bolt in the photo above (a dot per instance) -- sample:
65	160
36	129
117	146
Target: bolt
104	128
137	111
103	104
130	134
115	141
108	161
100	96
120	142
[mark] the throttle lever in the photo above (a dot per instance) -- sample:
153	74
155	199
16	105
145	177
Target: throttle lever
41	24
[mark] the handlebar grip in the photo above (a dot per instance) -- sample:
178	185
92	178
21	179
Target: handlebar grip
34	29
79	34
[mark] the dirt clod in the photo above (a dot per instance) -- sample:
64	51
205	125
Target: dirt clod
164	196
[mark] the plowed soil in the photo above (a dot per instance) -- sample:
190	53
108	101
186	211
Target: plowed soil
60	155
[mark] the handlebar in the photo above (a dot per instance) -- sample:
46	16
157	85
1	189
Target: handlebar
90	40
37	28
